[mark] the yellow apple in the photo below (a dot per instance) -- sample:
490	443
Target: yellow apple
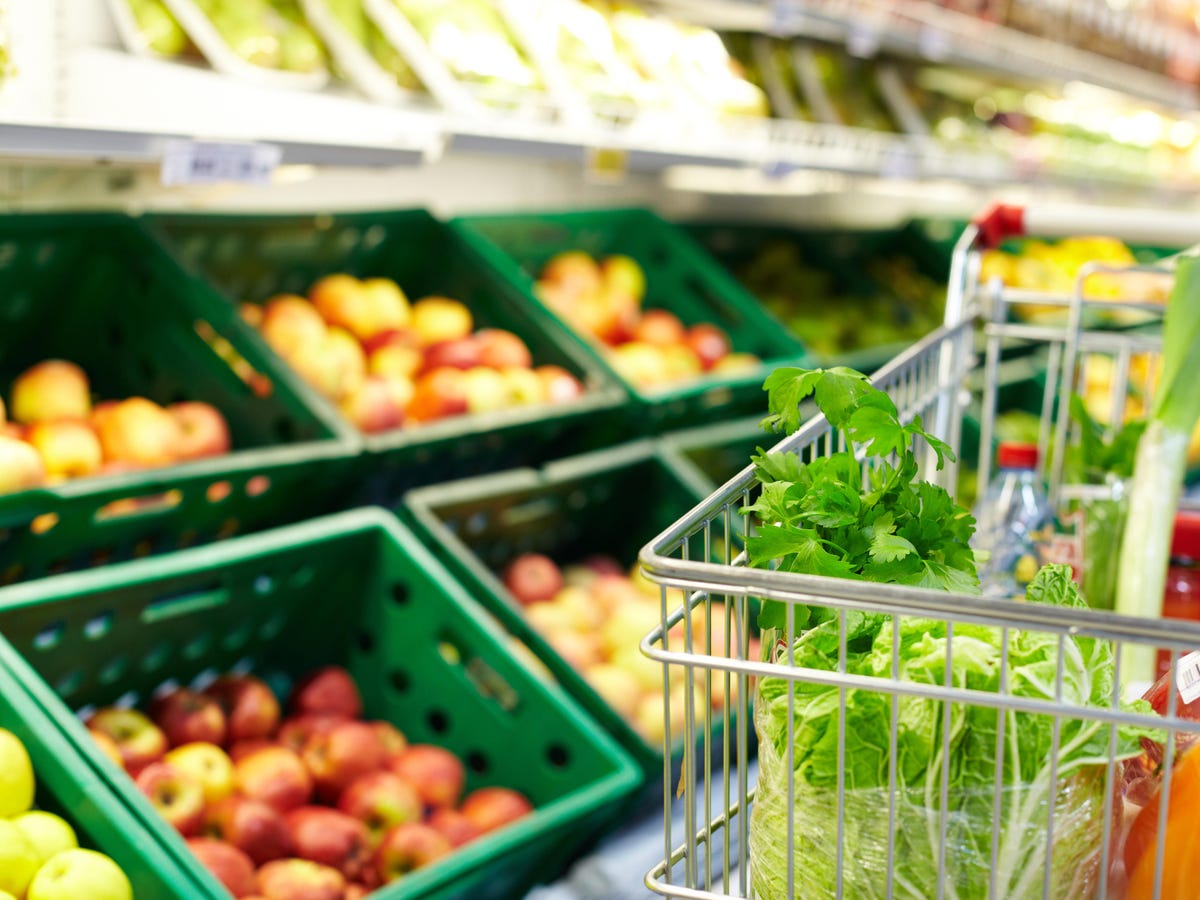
617	687
73	874
54	389
46	833
20	468
16	776
18	859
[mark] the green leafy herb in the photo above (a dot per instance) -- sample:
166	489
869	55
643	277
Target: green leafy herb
825	518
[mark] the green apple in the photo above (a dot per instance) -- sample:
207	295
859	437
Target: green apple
46	832
5	895
16	776
80	873
18	859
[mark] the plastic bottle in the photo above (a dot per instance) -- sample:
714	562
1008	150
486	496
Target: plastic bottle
1011	521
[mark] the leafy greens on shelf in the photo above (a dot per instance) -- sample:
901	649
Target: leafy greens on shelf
825	518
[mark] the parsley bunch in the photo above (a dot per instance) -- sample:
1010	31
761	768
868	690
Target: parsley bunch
823	518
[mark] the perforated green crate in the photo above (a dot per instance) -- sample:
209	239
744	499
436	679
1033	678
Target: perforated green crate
92	289
358	590
608	502
252	258
68	786
680	277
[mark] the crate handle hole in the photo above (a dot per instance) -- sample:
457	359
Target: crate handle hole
366	641
264	584
257	486
114	669
400	594
490	685
50	636
98	626
184	603
399	681
156	658
557	756
145	505
69	683
44	523
438	721
218	491
478	762
450	653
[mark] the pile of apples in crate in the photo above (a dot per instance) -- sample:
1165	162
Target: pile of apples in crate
40	856
387	363
320	805
595	614
648	348
55	432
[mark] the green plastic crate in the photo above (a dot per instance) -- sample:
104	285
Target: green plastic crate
709	456
357	590
251	258
92	289
842	257
680	277
610	502
68	786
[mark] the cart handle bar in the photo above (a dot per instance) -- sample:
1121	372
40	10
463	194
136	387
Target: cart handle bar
1172	229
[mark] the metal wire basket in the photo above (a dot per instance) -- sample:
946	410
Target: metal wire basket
864	840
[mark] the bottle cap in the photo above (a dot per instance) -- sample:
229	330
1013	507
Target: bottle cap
1017	456
1185	542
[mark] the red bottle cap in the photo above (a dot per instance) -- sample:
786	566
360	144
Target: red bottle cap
1185	542
1017	456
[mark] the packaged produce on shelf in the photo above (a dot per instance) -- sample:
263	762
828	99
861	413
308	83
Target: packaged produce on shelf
40	856
266	41
148	27
361	53
272	796
388	364
56	433
650	348
474	44
769	65
594	613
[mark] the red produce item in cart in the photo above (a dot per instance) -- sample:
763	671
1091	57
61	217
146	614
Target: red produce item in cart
1159	698
1181	852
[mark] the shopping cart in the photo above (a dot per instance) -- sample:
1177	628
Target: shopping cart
866	839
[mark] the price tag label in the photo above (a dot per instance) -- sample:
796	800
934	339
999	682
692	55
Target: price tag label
606	163
1187	677
211	162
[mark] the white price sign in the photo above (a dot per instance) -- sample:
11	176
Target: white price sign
211	162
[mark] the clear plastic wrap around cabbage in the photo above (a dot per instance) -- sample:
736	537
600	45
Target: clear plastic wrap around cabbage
1027	790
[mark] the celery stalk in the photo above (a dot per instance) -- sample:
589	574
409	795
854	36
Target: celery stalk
1160	467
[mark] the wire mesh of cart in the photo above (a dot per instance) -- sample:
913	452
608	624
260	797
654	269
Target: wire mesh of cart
897	781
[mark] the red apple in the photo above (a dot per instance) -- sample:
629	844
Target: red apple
604	565
239	749
453	826
187	717
207	764
175	796
68	448
438	395
300	879
139	740
53	389
659	327
341	755
275	776
250	707
140	431
408	847
502	349
331	838
463	353
378	405
108	747
435	772
560	385
490	808
203	428
328	691
381	800
295	732
709	343
393	740
253	827
227	864
533	578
